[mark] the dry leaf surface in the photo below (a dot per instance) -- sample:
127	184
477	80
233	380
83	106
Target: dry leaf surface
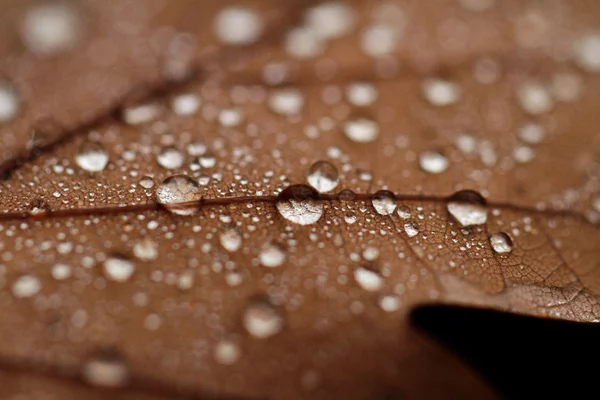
404	117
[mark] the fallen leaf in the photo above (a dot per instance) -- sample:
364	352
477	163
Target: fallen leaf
159	234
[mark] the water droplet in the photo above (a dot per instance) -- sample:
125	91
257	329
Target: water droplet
231	240
534	98
178	189
468	208
300	204
323	176
118	268
433	162
403	211
9	102
370	253
587	52
146	249
227	352
384	202
272	255
185	104
262	320
369	280
141	113
106	368
50	28
411	228
170	158
361	130
389	303
207	160
39	207
532	133
303	43
361	94
238	25
286	101
501	242
92	157
440	92
61	271
26	286
147	182
330	20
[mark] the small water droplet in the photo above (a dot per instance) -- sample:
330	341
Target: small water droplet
207	160
9	102
286	101
300	204
534	98
370	253
262	320
106	368
227	352
185	104
468	208
403	211
501	242
433	162
238	25
272	255
440	92
323	176
347	195
39	207
361	94
586	51
61	271
231	240
170	158
361	130
411	228
384	202
92	157
178	189
141	113
146	249
26	286
118	268
389	303
330	20
369	280
147	182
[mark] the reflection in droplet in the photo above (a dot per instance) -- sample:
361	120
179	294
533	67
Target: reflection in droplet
361	130
170	158
368	280
501	242
300	204
92	157
231	240
272	255
323	176
9	102
106	368
468	208
433	162
384	202
178	189
262	320
118	268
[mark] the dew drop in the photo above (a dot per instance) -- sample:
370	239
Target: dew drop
303	43
262	320
106	368
468	208
272	255
238	25
39	207
118	268
501	242
231	240
300	204
534	98
141	113
178	189
26	286
207	160
50	28
286	102
361	94
361	130
389	303
9	102
92	157
440	92
170	158
227	352
368	280
330	20
433	162
532	133
403	211
587	52
146	249
411	228
347	195
384	202
147	182
323	176
61	271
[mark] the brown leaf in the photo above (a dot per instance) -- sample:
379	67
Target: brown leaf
460	144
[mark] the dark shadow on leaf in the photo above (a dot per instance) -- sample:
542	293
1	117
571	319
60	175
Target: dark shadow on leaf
519	356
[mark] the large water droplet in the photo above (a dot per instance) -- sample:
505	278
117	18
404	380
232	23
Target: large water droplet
369	280
361	130
323	176
300	204
178	189
468	208
106	368
384	202
501	242
118	268
231	240
170	158
262	320
92	157
433	162
9	102
272	255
